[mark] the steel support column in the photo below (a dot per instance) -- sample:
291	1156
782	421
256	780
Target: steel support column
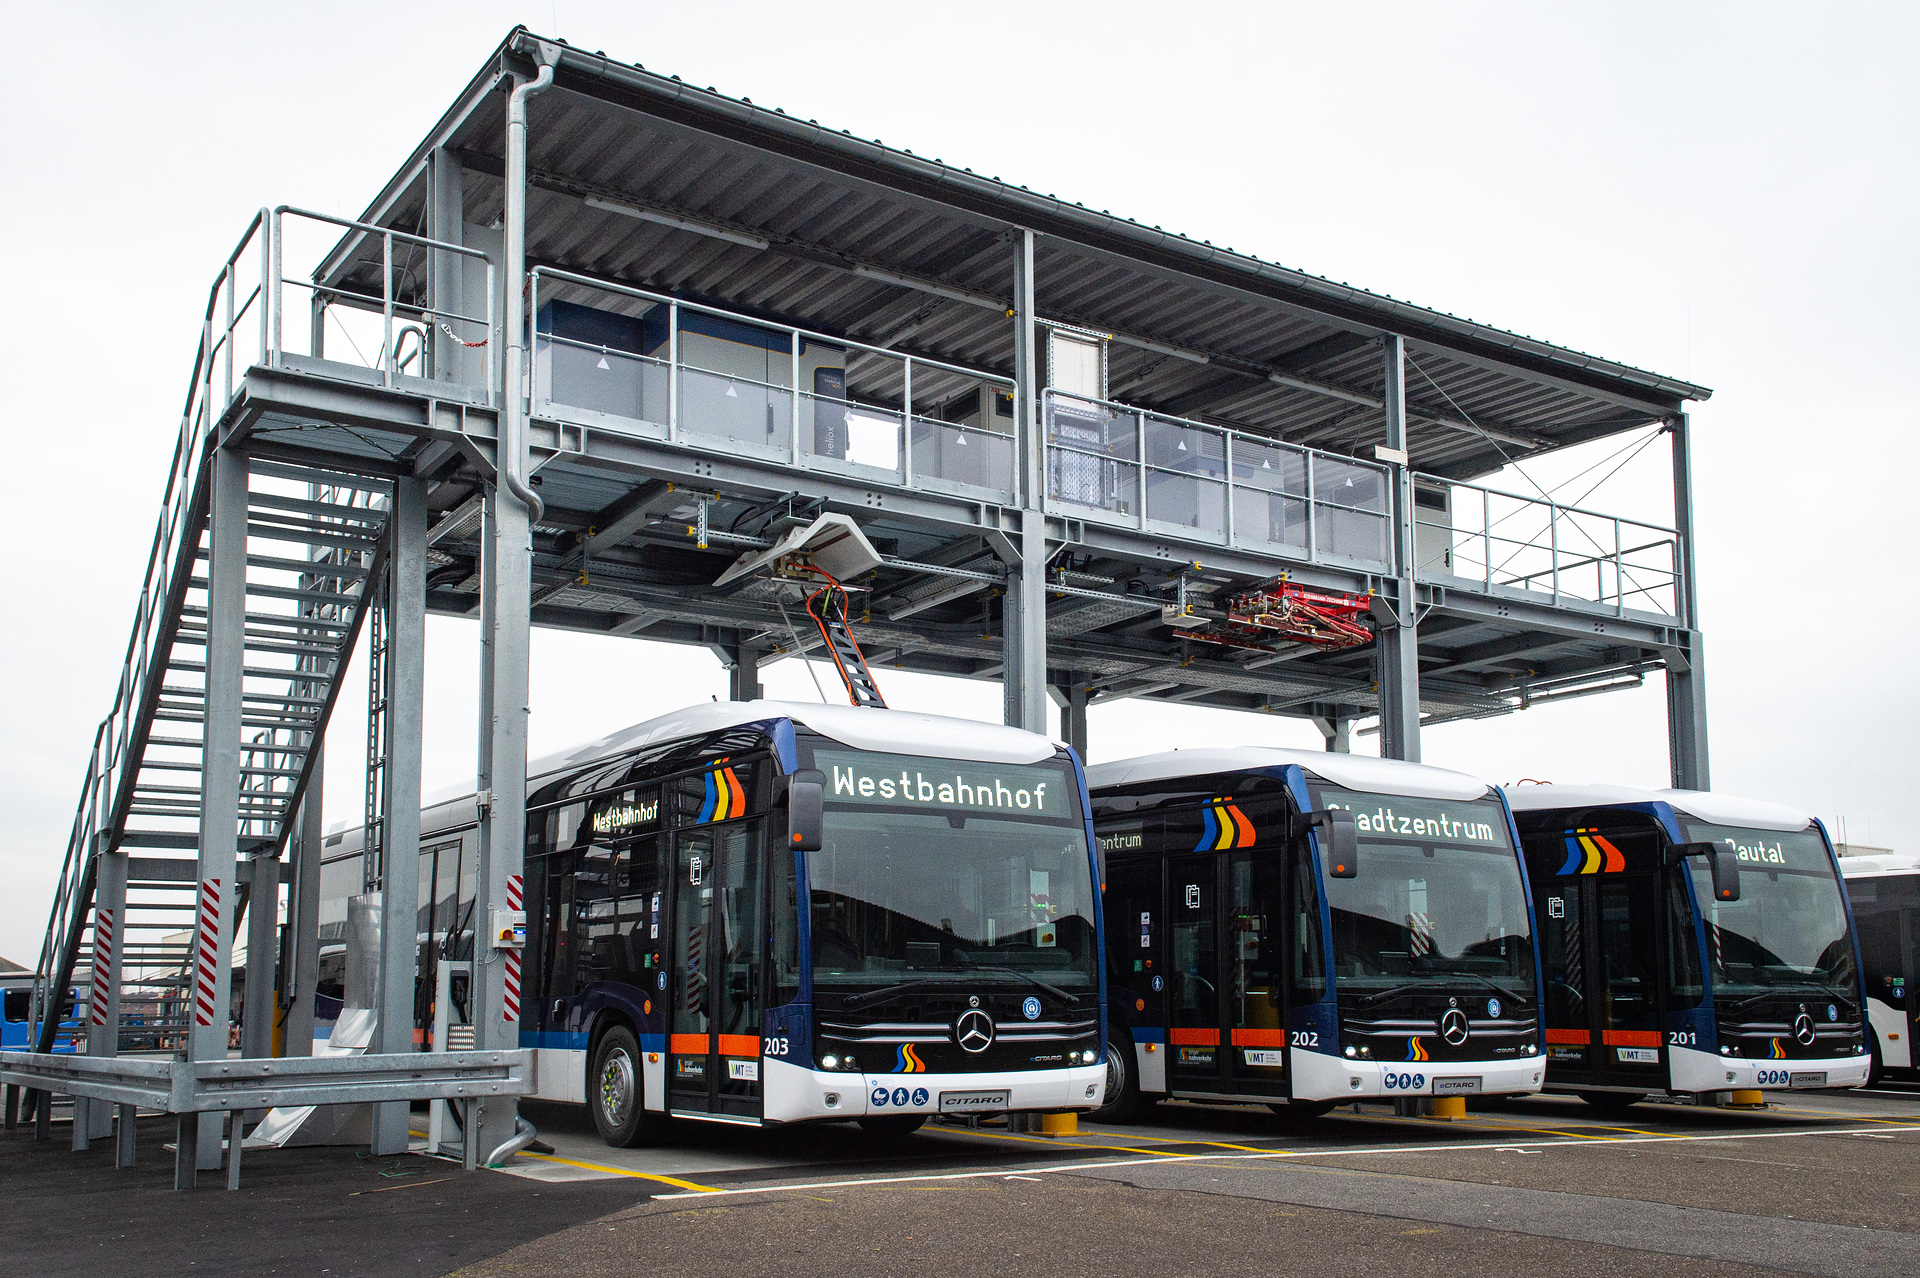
743	673
263	952
1686	674
103	1004
446	272
506	608
400	844
207	994
1025	612
1399	643
303	917
1338	734
1072	700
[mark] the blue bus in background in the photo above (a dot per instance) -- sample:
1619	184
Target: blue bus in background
16	1016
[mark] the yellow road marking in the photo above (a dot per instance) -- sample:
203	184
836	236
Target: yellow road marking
622	1171
1054	1141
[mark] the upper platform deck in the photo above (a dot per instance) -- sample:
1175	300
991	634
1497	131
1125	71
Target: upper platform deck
737	317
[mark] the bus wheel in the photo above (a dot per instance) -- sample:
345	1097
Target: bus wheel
893	1126
1122	1103
1303	1108
1613	1102
615	1092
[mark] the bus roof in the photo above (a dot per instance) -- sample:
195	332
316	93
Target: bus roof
1868	867
1704	805
863	728
1349	771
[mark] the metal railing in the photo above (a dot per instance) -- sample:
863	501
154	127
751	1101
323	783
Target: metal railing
442	332
1504	541
712	378
1139	469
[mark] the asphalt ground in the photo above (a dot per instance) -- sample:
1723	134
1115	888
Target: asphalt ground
1816	1183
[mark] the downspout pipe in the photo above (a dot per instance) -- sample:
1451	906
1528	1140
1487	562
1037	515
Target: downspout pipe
513	416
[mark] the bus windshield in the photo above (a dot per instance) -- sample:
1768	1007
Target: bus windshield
937	870
1788	930
1438	896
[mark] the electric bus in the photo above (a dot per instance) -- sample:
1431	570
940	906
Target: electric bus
1303	929
1884	892
764	913
1695	944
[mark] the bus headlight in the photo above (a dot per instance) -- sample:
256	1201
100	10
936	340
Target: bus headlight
829	1062
1089	1056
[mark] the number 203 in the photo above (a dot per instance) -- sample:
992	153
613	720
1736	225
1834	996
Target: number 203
776	1047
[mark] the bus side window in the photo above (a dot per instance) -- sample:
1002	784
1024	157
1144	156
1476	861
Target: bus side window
784	958
1309	956
19	1003
1683	952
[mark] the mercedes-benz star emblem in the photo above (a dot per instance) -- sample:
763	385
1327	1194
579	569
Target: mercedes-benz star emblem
973	1031
1803	1030
1453	1026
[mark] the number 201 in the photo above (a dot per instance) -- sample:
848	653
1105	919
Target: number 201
1680	1038
1305	1038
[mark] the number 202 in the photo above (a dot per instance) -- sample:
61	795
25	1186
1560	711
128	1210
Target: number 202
1305	1038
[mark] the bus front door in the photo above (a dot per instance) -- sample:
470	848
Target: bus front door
719	911
1195	1015
1602	942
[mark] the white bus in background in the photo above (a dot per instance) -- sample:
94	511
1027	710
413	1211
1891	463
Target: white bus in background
1885	893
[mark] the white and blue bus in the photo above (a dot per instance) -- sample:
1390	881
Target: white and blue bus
1301	929
1884	892
1695	944
765	913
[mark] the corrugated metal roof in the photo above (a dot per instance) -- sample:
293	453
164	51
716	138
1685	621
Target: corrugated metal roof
834	211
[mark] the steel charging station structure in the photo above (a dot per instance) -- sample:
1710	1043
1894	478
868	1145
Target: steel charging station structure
603	333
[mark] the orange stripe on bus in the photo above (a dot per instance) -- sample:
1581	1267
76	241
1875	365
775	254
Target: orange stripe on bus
1194	1037
687	1044
1568	1036
739	1044
739	806
1259	1038
1630	1038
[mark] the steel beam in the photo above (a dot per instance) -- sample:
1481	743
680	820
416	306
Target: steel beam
1686	677
209	990
263	918
743	673
406	599
1399	642
303	915
103	1031
1025	632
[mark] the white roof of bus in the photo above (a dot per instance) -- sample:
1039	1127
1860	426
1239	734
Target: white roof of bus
1868	867
1720	809
863	728
1350	771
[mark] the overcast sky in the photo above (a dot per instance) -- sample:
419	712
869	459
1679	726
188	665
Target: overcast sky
1725	193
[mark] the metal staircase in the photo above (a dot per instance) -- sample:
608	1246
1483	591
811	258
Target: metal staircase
315	541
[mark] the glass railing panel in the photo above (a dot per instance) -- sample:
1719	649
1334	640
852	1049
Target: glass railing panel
1089	427
599	379
1272	468
1187	501
1179	446
1269	519
956	454
1352	484
838	431
718	409
1358	535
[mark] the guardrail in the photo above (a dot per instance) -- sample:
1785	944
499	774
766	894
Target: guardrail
1501	541
200	1087
714	378
1127	466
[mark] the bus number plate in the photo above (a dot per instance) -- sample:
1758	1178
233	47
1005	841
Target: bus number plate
1809	1078
1456	1086
972	1102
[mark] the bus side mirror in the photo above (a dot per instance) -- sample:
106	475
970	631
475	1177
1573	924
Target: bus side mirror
1339	844
1722	861
1726	873
806	809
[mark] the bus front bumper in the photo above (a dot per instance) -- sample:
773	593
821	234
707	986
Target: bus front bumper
1317	1076
1692	1070
792	1094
